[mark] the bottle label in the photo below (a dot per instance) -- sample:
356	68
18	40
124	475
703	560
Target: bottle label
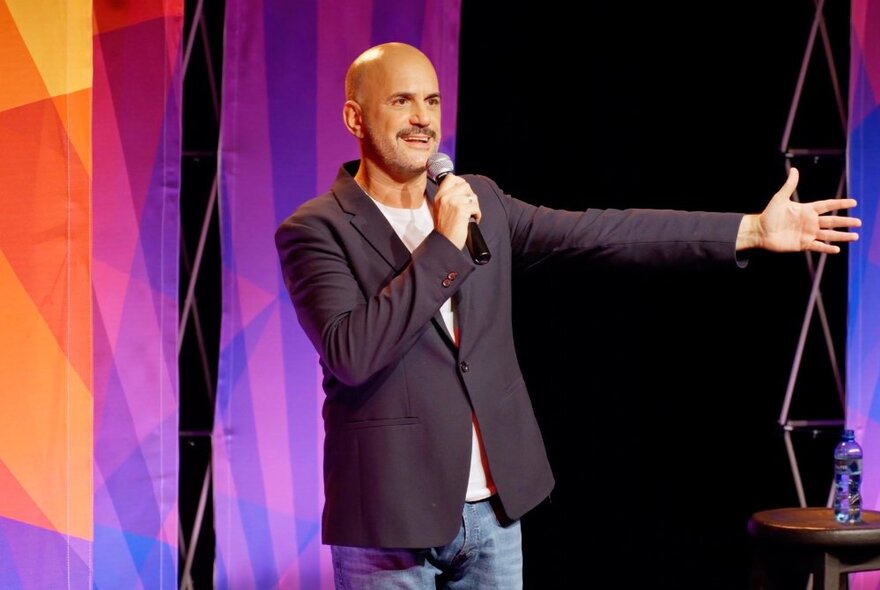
847	502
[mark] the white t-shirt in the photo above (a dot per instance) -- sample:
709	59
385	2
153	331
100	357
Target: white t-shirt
412	226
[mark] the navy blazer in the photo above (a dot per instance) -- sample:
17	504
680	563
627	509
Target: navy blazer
400	395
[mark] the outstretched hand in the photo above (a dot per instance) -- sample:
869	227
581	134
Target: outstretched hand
789	226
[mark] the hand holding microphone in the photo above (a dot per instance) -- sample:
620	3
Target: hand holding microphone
440	165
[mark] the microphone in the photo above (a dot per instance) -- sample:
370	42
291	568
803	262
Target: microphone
438	166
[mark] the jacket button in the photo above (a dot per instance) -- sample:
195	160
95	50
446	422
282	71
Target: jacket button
446	282
451	276
464	366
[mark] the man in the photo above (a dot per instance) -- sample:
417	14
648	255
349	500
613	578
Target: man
432	451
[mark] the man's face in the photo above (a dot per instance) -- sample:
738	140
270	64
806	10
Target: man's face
401	115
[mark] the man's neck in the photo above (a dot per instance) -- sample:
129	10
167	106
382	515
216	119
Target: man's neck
404	194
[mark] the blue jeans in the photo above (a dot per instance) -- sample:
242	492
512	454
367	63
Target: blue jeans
484	555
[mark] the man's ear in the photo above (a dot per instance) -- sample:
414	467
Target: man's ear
353	116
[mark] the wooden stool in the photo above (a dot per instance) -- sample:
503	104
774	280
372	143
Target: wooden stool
793	542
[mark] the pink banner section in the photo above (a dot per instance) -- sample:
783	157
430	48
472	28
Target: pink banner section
863	337
283	141
136	130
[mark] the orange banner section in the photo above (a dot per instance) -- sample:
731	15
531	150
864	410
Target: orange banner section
45	268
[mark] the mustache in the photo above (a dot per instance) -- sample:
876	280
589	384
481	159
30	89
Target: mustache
416	131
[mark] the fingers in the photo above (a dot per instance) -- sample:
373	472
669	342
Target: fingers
828	205
826	221
823	248
473	203
455	192
832	235
455	204
828	234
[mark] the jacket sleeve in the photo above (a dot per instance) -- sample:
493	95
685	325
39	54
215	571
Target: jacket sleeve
640	237
358	334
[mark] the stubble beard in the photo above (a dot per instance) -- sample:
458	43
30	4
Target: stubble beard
395	158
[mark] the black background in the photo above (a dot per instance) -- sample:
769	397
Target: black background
658	393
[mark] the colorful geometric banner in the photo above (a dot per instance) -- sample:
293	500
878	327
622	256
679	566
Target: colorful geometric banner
46	518
283	141
135	277
863	340
88	280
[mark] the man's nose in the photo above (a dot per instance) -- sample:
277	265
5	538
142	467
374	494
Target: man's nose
420	115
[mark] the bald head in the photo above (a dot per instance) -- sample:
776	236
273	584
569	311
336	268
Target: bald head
374	65
393	108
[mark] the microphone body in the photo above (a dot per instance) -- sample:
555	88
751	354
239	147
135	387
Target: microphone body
438	166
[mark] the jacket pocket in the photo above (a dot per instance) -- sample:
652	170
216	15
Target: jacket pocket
381	423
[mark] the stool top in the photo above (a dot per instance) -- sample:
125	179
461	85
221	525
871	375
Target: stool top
815	526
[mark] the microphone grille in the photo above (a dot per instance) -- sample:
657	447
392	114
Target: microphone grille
438	165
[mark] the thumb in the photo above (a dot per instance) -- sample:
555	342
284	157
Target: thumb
787	190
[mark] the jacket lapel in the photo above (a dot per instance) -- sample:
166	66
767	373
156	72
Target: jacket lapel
461	304
372	225
368	220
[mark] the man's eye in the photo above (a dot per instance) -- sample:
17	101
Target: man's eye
399	101
434	102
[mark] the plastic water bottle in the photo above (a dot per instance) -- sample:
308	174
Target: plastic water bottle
847	479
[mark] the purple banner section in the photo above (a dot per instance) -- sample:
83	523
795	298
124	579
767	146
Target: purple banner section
283	141
136	134
22	543
863	340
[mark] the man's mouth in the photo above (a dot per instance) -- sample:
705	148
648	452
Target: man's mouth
423	136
